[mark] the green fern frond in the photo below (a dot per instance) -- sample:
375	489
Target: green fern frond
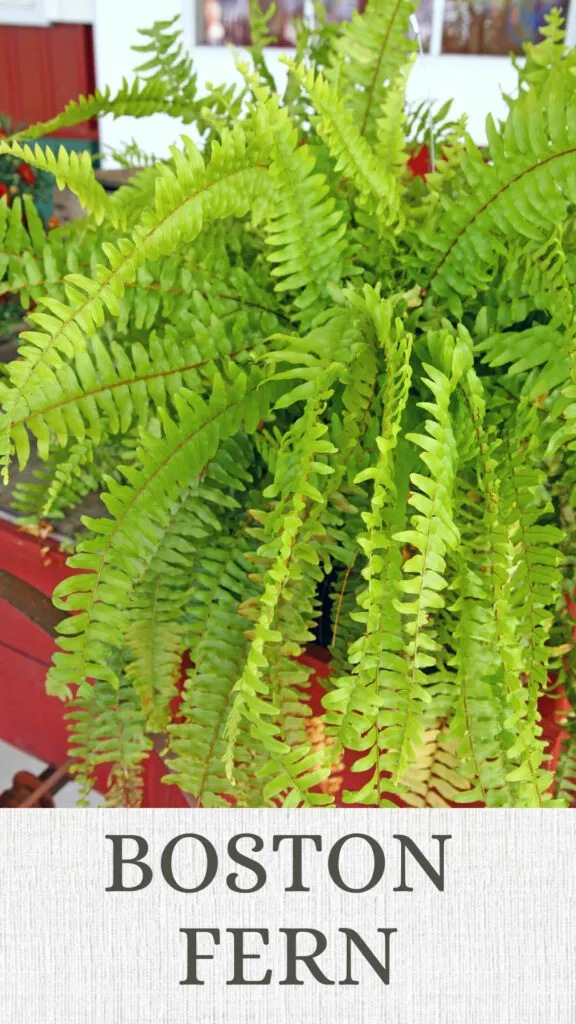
107	389
160	628
305	228
390	147
433	534
167	60
518	702
168	86
135	99
261	37
503	198
353	156
183	202
71	169
565	785
291	781
435	779
288	528
368	55
123	546
354	703
217	631
109	729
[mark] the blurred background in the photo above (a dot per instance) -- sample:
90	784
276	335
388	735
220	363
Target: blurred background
52	50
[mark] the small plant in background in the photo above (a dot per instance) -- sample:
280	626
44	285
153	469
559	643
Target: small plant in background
293	358
17	179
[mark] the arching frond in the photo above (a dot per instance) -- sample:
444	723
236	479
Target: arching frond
368	55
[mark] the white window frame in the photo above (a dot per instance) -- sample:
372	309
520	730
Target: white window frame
79	12
14	13
571	24
41	13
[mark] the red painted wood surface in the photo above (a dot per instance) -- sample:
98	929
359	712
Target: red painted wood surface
34	722
29	719
42	69
554	709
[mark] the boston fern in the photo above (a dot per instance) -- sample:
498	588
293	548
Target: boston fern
284	360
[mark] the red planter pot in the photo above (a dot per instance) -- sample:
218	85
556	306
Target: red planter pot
33	722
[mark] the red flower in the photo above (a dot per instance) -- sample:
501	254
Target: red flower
26	173
3	133
4	191
419	162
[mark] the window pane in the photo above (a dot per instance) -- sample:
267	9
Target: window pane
494	28
424	15
340	10
226	21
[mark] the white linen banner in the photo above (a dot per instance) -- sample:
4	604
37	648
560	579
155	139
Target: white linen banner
226	917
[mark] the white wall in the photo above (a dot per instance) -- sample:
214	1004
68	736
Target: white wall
475	83
42	12
116	24
81	12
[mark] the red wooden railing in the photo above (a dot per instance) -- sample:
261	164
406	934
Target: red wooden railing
42	69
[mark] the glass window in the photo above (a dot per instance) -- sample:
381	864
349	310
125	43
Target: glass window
340	10
425	15
464	26
226	21
493	28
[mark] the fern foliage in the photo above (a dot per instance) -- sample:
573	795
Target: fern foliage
317	399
